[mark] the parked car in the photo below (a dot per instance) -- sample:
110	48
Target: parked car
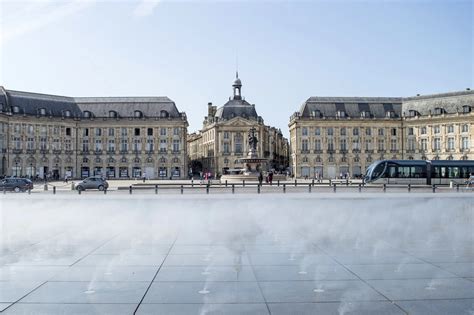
16	184
94	182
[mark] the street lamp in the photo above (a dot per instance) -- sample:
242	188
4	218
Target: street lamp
16	169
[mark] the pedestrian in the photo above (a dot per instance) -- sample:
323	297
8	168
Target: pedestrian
65	178
470	180
270	178
144	176
260	178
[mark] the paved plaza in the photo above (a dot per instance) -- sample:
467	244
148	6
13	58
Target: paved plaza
237	254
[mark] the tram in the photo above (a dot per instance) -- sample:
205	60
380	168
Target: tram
421	172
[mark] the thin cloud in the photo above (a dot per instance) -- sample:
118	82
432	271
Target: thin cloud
145	8
38	14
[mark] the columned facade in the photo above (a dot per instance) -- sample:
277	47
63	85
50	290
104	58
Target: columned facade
223	140
341	136
47	136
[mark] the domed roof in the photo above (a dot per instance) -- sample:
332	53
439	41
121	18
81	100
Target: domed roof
237	82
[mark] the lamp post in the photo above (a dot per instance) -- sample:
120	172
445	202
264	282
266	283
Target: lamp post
31	170
16	169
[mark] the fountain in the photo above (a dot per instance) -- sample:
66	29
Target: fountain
253	163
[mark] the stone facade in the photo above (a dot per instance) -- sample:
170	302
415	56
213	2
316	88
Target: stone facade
223	140
46	135
334	136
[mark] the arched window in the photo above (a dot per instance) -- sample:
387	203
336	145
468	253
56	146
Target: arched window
439	111
112	114
164	114
87	114
138	114
67	113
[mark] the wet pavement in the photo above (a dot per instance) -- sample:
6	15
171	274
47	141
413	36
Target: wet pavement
253	254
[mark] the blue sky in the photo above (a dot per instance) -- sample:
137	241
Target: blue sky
287	50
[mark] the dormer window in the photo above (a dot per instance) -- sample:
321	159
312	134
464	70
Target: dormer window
87	114
438	111
316	113
413	113
390	114
112	114
164	114
16	109
42	111
67	113
365	114
138	114
341	114
466	109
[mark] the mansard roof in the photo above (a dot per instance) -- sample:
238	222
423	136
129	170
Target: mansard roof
31	103
449	103
236	108
375	107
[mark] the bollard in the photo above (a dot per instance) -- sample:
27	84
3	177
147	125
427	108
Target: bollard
226	183
309	188
360	187
278	182
29	191
72	186
334	187
233	188
79	191
330	182
296	183
284	188
384	187
192	182
105	191
156	189
207	189
258	189
54	190
457	187
434	188
181	189
130	189
243	183
45	187
312	182
409	187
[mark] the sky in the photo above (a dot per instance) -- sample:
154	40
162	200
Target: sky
285	51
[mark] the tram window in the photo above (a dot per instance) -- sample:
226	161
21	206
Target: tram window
453	172
378	170
436	172
391	171
418	172
404	171
464	172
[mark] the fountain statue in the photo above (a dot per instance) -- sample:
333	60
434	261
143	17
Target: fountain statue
253	164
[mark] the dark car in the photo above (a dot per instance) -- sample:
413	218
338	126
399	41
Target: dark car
94	182
16	184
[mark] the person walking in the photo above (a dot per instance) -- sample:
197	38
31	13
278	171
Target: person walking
260	178
270	178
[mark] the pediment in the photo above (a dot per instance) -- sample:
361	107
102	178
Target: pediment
239	121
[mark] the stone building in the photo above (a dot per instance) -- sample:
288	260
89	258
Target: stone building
222	141
118	137
334	136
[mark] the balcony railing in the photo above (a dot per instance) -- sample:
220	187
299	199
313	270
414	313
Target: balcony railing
97	152
56	151
44	151
318	151
30	151
69	152
17	151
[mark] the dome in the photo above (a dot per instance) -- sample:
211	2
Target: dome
237	82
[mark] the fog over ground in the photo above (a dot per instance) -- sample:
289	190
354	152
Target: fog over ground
344	243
